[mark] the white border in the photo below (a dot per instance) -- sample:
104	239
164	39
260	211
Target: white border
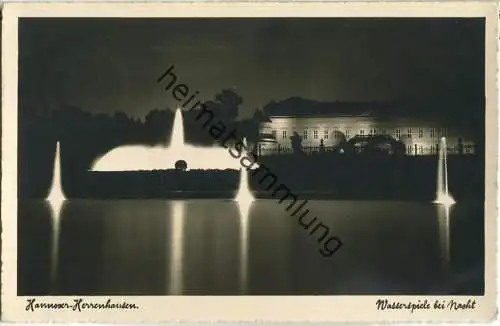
239	308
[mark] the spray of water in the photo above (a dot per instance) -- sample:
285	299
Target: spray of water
177	137
56	201
164	156
56	196
244	198
443	197
244	194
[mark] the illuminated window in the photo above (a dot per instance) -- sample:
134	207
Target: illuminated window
315	134
362	132
421	149
348	132
420	133
326	134
273	132
371	132
409	132
284	134
398	133
433	132
305	134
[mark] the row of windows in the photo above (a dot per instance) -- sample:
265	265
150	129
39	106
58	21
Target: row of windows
372	132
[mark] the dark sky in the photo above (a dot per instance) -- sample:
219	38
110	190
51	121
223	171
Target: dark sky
112	65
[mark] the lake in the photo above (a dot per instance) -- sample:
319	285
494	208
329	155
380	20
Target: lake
213	247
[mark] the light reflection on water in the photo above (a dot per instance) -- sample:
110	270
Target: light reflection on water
54	255
176	249
244	215
212	247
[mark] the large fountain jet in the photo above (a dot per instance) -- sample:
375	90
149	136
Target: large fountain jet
177	137
56	196
244	194
442	195
56	201
163	156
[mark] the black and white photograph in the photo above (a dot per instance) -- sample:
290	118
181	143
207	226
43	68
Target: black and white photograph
252	156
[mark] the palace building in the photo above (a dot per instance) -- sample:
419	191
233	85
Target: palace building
331	128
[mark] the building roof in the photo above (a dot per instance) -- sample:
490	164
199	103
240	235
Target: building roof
443	111
299	107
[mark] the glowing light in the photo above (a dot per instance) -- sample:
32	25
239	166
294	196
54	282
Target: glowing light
56	199
177	137
56	196
244	194
444	232
244	239
443	197
244	197
176	249
140	157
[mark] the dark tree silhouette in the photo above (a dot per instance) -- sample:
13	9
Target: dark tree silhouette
158	123
229	102
338	139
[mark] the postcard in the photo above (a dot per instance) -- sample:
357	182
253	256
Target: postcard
249	162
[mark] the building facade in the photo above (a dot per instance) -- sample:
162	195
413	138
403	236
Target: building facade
420	137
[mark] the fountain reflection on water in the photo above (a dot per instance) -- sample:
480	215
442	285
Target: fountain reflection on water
443	197
244	197
176	253
445	201
56	196
443	215
56	199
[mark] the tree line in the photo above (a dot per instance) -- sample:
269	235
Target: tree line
86	135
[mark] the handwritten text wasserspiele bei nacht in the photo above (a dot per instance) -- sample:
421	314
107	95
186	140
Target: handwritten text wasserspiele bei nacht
437	304
78	304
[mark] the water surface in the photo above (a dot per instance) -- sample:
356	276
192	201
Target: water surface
215	247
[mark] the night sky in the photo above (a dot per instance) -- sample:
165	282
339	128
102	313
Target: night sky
112	65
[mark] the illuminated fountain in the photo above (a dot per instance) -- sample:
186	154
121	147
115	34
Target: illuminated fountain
176	250
56	201
160	157
244	197
442	195
56	196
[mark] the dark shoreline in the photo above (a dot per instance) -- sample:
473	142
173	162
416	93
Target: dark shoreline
328	177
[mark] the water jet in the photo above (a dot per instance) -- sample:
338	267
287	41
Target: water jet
56	195
164	156
443	197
